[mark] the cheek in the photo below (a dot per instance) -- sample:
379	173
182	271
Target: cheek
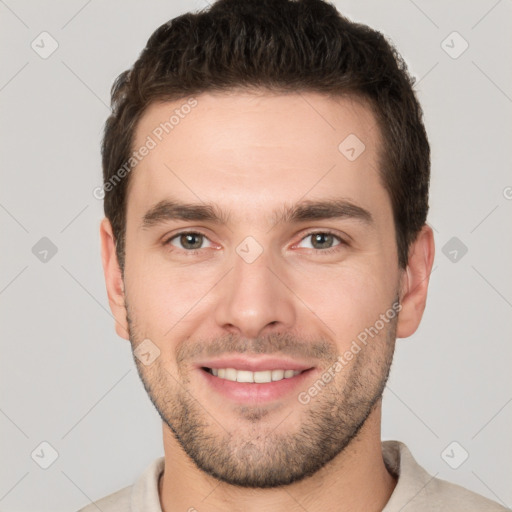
163	299
347	301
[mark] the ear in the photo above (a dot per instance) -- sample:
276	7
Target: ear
113	279
414	282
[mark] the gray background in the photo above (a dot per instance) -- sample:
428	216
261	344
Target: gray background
67	379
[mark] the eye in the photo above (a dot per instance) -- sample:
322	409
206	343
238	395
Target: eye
322	241
188	241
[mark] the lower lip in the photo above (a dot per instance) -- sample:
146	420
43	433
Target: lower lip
247	392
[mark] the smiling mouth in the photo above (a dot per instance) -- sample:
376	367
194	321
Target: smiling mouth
261	377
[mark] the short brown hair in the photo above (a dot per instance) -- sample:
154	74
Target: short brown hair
279	46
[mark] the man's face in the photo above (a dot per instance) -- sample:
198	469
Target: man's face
259	289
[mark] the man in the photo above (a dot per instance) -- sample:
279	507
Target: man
266	174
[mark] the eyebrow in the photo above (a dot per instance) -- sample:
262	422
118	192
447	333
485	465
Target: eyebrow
170	210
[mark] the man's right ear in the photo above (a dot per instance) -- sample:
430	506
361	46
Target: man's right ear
113	279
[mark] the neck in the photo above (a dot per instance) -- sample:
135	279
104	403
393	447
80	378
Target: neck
355	480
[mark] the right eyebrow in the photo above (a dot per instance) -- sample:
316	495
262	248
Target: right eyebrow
167	210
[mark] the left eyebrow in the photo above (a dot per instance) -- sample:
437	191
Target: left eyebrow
170	210
325	209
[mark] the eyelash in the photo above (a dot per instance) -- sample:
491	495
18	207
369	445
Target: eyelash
330	250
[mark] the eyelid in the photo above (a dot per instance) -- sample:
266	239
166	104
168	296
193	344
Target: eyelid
185	231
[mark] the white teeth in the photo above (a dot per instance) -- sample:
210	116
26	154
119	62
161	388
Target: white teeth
261	377
244	376
277	374
230	374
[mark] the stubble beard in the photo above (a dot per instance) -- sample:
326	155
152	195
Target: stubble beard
257	451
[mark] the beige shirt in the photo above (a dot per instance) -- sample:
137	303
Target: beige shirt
416	490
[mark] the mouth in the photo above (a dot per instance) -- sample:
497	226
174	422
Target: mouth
260	377
255	380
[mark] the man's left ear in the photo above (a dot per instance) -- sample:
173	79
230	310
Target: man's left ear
414	282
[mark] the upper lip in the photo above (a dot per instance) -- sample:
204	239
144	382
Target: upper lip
255	364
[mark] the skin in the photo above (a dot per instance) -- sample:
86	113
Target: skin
251	154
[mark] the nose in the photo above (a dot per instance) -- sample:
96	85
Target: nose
254	298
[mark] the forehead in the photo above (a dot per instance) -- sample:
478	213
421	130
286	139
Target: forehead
243	150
